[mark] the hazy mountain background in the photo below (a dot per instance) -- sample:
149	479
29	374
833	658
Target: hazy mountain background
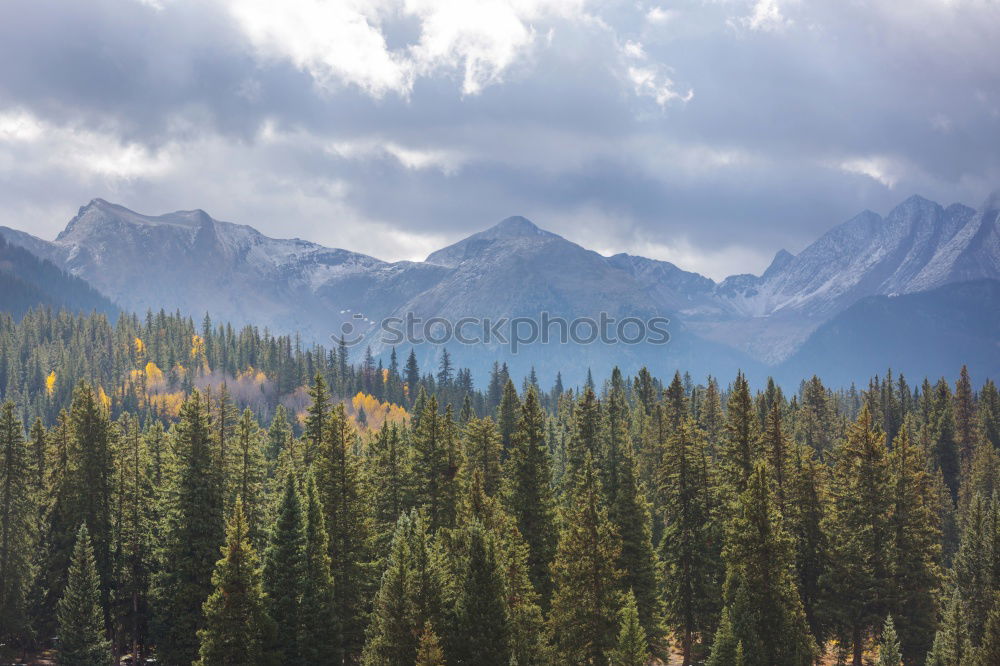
915	290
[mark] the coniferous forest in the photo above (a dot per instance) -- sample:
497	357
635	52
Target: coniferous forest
194	494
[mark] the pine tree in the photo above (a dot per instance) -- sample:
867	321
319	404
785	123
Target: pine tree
690	548
278	434
586	600
316	644
249	475
192	533
17	527
915	547
951	642
429	651
966	425
776	447
988	653
763	603
889	653
587	433
437	462
741	445
482	451
507	417
285	572
411	594
348	521
528	494
974	567
482	634
861	532
390	479
412	376
81	619
633	647
236	625
317	416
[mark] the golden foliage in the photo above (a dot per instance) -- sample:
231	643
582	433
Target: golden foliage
376	411
154	376
103	398
140	347
50	384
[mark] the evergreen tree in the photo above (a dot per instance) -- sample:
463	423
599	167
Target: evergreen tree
764	607
861	533
951	642
587	433
249	475
741	445
17	527
316	644
81	619
586	600
633	647
278	434
482	451
988	653
966	424
975	569
348	521
236	625
690	548
390	479
481	634
529	494
193	531
507	417
435	465
915	548
429	652
317	416
284	576
889	653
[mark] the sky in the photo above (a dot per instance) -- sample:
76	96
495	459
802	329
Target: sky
709	133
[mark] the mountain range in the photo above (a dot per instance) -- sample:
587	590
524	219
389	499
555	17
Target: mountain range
786	321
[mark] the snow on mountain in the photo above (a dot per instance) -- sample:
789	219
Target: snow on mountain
189	261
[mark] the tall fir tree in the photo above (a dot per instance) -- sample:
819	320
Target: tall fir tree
690	548
762	602
633	647
390	479
507	417
860	530
585	603
741	444
349	523
528	494
481	628
82	640
482	451
317	417
284	574
193	531
237	628
17	527
889	653
316	641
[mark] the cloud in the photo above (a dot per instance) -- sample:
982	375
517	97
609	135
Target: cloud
879	168
766	16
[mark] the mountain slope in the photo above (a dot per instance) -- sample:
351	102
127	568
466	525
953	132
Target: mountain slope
27	281
930	333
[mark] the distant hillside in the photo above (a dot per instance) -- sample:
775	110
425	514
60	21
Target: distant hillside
929	333
27	281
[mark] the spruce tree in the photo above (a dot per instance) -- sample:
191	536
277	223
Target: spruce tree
434	465
316	640
390	479
633	647
481	631
507	417
528	493
586	600
690	548
81	619
988	653
763	603
277	435
285	572
317	416
250	474
861	533
975	568
482	451
429	652
915	548
17	527
889	653
237	628
349	523
741	444
193	531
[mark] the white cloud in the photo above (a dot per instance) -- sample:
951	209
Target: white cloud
650	79
766	16
445	160
877	167
343	42
660	15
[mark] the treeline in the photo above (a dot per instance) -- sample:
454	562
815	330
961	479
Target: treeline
622	523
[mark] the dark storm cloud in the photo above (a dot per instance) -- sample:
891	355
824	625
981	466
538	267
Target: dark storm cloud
708	133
